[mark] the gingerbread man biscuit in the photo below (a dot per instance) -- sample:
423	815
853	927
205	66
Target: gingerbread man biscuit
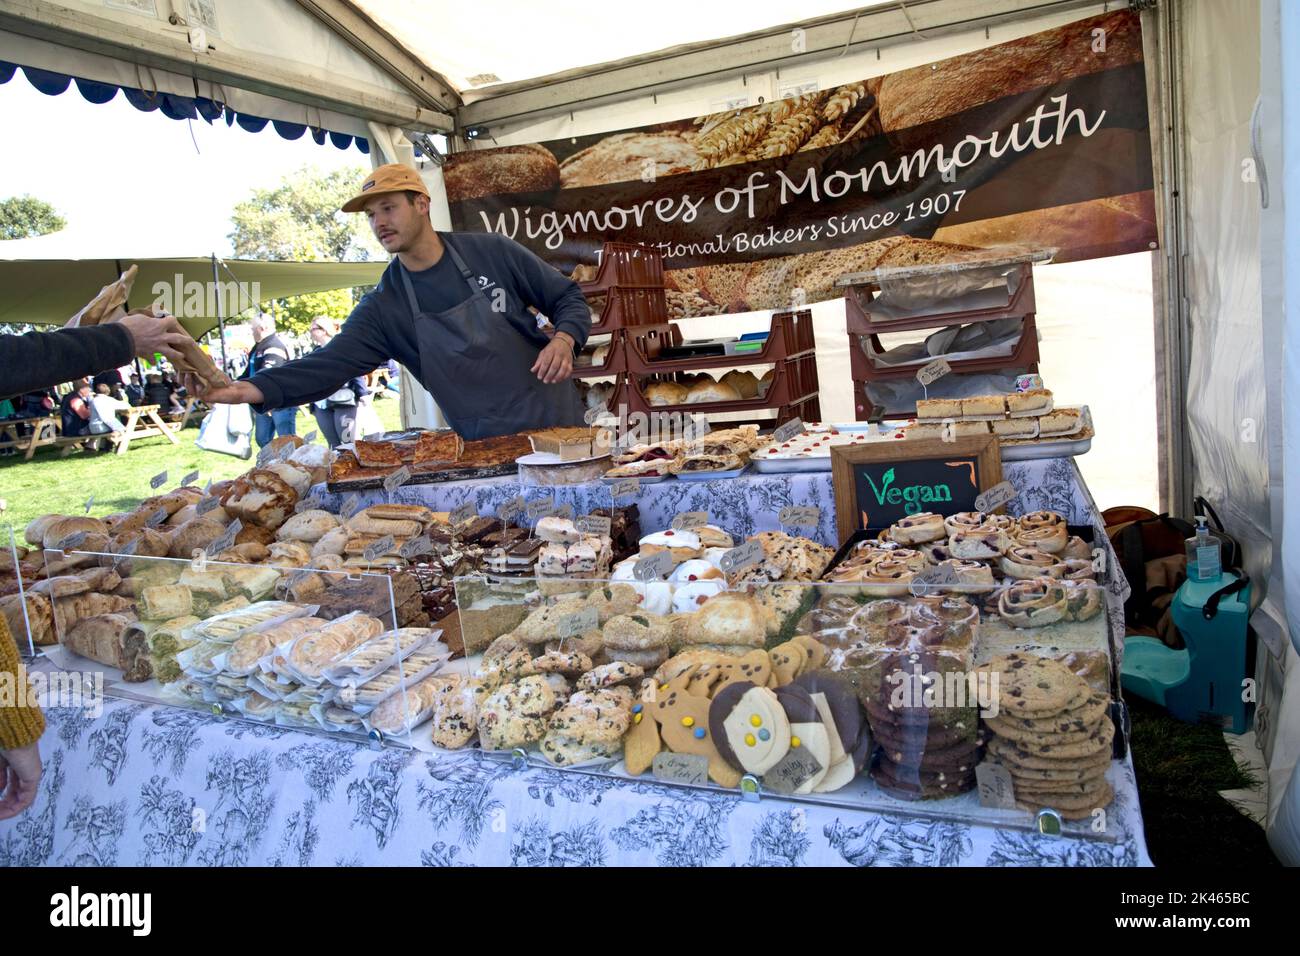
683	721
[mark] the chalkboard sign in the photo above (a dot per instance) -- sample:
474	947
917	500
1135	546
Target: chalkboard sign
877	484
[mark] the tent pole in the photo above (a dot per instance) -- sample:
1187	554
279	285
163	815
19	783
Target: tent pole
221	322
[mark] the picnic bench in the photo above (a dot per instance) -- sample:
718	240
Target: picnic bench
45	431
142	421
135	429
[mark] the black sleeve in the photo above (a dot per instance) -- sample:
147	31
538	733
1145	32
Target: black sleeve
359	347
551	292
45	359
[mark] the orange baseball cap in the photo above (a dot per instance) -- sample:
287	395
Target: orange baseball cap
392	178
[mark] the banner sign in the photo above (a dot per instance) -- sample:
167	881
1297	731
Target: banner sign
1038	143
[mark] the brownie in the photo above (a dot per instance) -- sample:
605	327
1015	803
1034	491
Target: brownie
474	531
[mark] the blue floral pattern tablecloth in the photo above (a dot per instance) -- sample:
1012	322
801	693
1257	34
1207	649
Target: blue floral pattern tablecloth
156	786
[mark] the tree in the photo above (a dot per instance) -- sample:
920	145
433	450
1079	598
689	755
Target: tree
22	217
299	220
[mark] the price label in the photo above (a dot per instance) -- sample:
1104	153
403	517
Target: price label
593	415
415	546
511	510
466	512
680	768
540	508
932	579
795	769
227	539
996	787
398	478
189	479
379	548
577	624
996	497
89	501
787	431
800	516
654	567
742	556
126	552
687	520
158	480
207	489
157	518
309	437
351	505
71	542
207	504
310	503
594	524
625	487
931	373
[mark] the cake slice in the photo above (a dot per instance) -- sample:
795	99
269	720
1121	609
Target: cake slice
983	406
1035	401
931	409
1061	422
1015	427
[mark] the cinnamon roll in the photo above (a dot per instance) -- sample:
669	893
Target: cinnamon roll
963	521
875	616
943	611
1083	600
978	544
1021	562
936	552
1033	603
1079	570
888	577
918	529
974	573
1044	530
1076	549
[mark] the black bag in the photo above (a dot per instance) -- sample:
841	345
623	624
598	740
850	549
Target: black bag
1138	542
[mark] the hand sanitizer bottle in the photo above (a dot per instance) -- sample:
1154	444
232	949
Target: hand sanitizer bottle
1204	554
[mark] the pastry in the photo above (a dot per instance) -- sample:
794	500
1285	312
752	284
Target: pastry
1083	600
918	529
978	544
684	545
712	536
1035	602
729	619
1022	562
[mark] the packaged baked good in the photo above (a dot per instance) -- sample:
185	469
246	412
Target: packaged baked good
379	654
201	658
308	655
425	661
255	645
226	628
404	711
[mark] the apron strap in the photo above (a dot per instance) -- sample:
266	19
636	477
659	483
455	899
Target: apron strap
456	260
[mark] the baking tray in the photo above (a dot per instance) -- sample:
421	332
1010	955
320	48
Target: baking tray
1059	448
644	479
710	475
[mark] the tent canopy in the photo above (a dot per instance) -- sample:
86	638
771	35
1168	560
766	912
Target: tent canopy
48	290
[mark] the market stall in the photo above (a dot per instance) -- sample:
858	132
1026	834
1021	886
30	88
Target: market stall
672	649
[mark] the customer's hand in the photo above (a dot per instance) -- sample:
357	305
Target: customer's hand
238	393
20	776
154	333
555	362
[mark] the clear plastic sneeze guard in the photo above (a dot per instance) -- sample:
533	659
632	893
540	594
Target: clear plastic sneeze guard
980	703
318	650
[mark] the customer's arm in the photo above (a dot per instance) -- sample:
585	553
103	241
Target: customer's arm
20	729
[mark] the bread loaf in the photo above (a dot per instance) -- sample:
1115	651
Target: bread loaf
665	393
507	169
68	611
29	614
711	392
194	535
308	526
60	528
102	638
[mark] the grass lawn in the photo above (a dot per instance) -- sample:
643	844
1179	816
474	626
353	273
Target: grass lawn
49	483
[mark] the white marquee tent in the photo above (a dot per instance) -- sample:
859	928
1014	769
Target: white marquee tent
1227	147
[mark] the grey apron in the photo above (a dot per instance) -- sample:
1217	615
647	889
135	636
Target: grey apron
476	366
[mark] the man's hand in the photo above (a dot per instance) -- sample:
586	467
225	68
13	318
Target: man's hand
156	333
555	362
239	393
20	776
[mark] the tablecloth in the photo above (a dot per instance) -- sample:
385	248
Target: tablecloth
157	786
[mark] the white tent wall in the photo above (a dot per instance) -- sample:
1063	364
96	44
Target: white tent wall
1092	315
276	43
1277	127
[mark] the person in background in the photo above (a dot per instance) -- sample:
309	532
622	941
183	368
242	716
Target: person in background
135	391
157	392
38	404
21	727
74	410
103	412
337	414
112	378
269	352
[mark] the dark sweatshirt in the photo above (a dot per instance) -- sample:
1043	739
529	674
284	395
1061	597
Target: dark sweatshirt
42	359
381	327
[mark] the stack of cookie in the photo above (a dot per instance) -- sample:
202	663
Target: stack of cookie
926	752
1053	733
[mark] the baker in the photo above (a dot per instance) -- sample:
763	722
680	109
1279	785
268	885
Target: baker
453	309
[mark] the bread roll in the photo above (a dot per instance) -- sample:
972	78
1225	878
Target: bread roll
35	533
194	535
507	169
712	392
309	526
666	393
57	530
746	383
